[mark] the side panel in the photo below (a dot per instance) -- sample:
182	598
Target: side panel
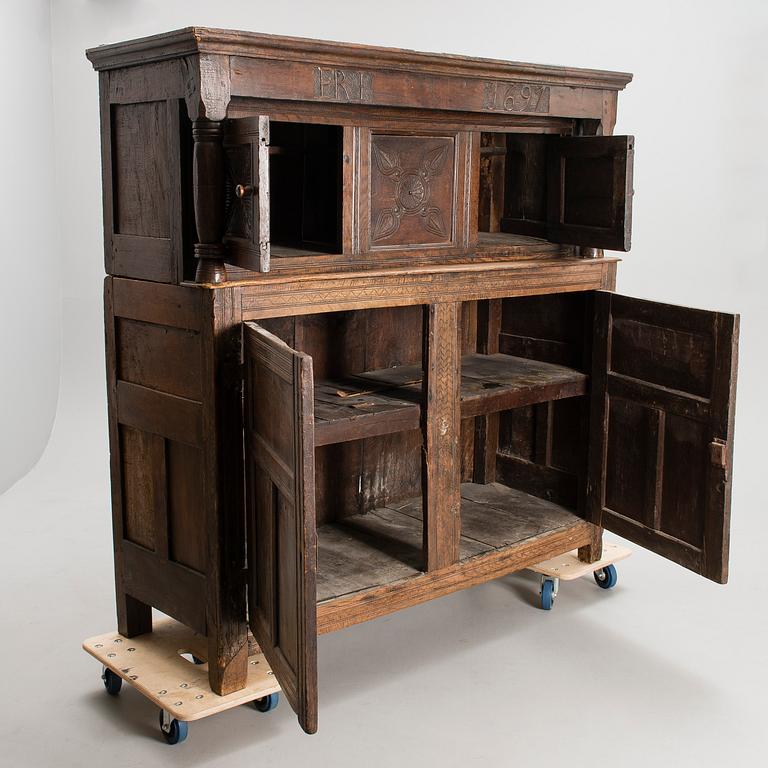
141	143
280	513
661	435
156	447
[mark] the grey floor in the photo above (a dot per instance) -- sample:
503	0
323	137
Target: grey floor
668	669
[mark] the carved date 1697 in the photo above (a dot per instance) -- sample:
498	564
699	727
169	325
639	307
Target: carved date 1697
515	97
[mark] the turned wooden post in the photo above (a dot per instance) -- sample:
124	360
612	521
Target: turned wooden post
208	189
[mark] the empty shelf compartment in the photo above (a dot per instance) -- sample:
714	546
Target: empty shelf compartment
489	383
384	546
348	410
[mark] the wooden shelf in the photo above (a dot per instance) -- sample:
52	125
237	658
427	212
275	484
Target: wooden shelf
344	411
489	383
362	552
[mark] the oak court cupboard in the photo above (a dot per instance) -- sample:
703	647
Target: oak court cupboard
363	344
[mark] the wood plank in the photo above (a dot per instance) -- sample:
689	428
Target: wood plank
489	383
184	591
133	616
441	427
340	418
413	284
177	306
223	482
162	414
368	604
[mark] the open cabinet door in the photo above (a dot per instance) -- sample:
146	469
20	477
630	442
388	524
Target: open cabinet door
661	433
246	148
589	191
280	510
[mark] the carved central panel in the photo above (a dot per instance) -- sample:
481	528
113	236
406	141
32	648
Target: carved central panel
412	196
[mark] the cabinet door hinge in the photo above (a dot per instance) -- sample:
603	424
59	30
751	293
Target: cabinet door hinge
718	454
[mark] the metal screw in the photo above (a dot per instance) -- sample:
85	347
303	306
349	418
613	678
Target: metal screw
160	693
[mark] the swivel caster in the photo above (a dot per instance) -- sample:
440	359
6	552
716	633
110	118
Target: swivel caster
548	592
112	682
267	703
606	578
174	731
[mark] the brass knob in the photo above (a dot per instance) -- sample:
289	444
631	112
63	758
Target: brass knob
243	190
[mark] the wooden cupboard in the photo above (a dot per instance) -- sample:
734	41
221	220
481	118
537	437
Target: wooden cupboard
363	344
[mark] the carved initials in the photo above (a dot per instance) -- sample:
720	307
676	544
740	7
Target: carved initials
515	97
346	85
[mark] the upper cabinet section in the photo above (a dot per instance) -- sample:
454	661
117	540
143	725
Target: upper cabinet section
229	151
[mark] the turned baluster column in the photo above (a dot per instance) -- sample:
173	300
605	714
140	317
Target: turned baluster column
208	189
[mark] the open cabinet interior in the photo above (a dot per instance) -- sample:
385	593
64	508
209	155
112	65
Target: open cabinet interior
521	443
575	190
305	186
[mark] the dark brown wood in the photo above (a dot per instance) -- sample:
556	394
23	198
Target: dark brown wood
441	425
279	448
421	238
663	383
368	604
208	190
223	491
384	545
592	552
589	191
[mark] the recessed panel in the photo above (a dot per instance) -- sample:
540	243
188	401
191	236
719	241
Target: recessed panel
412	190
140	169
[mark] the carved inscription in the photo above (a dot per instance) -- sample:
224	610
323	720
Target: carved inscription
345	85
515	97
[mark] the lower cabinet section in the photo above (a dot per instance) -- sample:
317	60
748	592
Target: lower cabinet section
371	564
396	455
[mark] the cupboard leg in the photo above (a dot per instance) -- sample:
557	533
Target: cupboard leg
593	551
133	616
227	666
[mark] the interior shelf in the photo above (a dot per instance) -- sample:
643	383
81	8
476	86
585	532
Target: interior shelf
385	545
346	410
490	382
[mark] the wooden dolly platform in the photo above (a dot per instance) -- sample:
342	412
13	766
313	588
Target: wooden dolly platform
153	664
568	567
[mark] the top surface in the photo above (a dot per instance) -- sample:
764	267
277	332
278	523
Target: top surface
192	40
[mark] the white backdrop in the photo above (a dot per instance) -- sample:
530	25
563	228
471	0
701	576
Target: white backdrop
676	659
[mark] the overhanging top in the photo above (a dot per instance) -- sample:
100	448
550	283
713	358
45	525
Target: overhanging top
197	40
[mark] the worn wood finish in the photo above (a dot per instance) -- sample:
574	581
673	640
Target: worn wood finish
663	390
223	491
441	425
280	472
439	389
589	191
366	551
208	188
368	604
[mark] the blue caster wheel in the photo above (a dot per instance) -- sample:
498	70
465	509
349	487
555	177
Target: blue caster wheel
267	703
112	682
606	578
174	731
547	594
